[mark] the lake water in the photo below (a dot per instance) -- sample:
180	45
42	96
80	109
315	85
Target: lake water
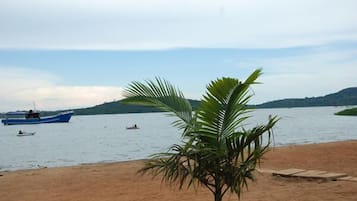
104	138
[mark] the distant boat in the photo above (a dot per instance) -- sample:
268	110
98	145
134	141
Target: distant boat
24	133
132	127
33	117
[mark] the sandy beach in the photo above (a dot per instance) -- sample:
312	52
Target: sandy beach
119	181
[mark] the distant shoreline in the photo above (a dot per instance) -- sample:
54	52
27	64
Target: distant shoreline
46	113
345	97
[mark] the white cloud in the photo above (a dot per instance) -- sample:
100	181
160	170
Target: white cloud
314	74
22	87
157	24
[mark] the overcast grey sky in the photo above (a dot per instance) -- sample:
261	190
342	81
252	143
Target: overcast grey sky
156	24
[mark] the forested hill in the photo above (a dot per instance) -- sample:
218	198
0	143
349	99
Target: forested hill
346	96
117	108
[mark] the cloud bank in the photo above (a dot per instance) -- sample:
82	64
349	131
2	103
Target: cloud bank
24	87
318	73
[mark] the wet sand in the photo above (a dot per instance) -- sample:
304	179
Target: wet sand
119	181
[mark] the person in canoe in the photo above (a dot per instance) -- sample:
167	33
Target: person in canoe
133	127
24	133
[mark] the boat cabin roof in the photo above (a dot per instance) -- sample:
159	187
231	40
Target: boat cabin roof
21	112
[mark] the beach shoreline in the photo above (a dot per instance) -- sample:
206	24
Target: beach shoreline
119	180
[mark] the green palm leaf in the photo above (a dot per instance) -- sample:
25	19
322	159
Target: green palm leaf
160	94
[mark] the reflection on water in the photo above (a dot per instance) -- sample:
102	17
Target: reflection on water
104	138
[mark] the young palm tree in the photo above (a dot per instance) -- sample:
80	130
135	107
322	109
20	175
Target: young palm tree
217	152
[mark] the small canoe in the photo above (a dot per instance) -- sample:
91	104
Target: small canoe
132	127
24	133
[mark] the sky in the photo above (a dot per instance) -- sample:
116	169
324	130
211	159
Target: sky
75	53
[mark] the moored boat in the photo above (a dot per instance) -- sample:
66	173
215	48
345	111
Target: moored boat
31	117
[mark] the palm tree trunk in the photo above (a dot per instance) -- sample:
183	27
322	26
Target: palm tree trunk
218	195
218	190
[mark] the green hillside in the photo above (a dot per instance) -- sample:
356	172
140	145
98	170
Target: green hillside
117	108
344	97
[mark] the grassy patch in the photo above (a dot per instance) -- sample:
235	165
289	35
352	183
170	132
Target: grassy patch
352	112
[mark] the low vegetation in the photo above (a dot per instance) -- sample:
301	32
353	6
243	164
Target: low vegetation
351	112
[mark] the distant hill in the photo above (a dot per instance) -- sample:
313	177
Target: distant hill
346	96
117	108
114	107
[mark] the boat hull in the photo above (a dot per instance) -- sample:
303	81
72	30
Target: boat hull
59	118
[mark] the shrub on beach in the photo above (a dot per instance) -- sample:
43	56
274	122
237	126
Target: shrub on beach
217	152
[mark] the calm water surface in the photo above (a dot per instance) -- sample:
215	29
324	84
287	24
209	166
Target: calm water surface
104	138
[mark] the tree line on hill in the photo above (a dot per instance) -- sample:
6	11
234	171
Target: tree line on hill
344	97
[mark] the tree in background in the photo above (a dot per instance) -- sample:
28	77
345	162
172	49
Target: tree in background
217	152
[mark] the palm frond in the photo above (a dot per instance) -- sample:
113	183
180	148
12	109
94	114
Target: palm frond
160	94
224	105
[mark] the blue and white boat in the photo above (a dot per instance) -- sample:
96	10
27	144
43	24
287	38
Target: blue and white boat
33	117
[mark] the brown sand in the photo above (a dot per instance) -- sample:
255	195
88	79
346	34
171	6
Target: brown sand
119	181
